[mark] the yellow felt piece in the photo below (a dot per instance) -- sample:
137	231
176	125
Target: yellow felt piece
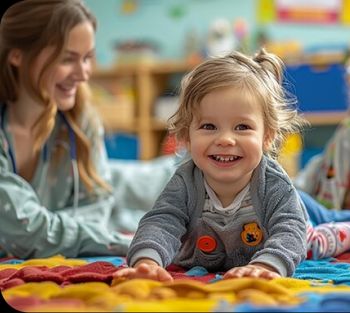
49	262
136	288
43	290
64	307
143	295
83	291
171	305
93	294
67	308
263	291
179	295
266	291
256	297
109	300
236	284
188	288
144	289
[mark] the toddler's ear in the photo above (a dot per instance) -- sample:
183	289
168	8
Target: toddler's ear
15	57
185	143
269	137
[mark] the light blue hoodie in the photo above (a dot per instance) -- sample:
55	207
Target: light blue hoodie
38	219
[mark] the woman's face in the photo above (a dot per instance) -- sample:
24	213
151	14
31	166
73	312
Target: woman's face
73	68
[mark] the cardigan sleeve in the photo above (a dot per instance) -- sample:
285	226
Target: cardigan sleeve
160	230
285	221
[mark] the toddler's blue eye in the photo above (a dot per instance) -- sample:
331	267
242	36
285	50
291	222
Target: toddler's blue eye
208	127
242	127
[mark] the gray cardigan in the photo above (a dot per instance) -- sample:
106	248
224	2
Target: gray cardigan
169	232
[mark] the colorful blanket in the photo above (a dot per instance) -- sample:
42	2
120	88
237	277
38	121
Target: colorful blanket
59	284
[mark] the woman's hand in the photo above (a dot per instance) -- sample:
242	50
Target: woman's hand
252	270
145	268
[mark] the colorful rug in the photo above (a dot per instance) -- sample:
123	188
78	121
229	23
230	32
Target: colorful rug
59	284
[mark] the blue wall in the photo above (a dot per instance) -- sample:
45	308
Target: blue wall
154	20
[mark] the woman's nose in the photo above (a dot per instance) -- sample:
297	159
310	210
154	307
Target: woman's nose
82	71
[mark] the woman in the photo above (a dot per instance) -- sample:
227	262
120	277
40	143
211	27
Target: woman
54	191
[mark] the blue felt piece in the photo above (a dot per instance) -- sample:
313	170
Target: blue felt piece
197	271
12	261
117	261
217	278
338	273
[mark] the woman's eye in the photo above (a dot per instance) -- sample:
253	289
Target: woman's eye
67	60
242	127
88	57
208	127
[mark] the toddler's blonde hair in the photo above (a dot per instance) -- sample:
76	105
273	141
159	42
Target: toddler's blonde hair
259	77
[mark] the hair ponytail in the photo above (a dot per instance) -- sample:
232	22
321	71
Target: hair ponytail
271	63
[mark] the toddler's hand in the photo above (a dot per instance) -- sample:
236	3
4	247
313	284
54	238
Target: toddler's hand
252	270
144	270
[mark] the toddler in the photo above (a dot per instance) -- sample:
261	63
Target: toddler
230	207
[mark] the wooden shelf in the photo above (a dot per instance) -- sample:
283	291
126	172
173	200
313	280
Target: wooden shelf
324	118
123	127
166	67
148	83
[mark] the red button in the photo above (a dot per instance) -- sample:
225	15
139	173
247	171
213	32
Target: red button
206	243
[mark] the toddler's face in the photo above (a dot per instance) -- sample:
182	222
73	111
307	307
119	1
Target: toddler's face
227	138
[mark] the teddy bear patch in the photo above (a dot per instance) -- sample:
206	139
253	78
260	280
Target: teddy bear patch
251	234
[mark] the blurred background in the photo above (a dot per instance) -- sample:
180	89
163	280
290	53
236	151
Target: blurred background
144	47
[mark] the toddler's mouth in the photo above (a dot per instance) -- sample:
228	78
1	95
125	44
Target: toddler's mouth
224	158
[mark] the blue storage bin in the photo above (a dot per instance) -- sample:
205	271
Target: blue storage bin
318	88
122	146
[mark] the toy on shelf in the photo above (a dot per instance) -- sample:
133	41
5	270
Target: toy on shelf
220	40
115	104
136	51
241	31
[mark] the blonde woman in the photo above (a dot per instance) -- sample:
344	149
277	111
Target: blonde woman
55	195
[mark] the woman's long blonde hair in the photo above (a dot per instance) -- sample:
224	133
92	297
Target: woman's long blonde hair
30	26
260	77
